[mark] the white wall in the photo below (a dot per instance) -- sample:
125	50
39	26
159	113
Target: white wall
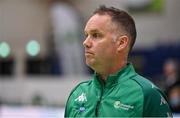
159	28
21	21
54	90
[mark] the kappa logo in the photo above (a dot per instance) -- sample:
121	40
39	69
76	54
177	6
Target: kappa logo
81	98
119	105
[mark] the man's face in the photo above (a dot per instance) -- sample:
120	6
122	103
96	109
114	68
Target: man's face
100	49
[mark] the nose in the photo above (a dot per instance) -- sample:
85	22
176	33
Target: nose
87	43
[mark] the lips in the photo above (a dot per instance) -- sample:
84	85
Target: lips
88	53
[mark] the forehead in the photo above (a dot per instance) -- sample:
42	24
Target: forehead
99	22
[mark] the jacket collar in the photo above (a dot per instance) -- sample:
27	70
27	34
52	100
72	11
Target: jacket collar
122	75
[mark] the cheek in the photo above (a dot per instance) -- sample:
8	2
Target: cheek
105	52
101	50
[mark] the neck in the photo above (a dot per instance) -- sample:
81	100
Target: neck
113	70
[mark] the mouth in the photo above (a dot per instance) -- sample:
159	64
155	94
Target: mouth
88	53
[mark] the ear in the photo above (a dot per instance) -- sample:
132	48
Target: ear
122	43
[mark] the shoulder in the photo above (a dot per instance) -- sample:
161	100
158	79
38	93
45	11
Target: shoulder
144	83
148	88
155	101
141	85
74	93
81	86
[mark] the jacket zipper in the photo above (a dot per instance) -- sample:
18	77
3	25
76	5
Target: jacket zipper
99	101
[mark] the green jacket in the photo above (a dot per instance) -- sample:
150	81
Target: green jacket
125	94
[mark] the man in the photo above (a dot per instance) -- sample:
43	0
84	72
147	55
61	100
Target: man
116	89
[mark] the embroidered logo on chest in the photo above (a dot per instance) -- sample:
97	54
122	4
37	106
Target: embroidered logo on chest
81	98
119	105
80	102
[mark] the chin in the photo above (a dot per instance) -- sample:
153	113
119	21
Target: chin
90	64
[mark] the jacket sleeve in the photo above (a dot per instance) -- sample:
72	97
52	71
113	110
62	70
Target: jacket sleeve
155	104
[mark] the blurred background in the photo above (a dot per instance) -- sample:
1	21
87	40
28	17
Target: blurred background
41	52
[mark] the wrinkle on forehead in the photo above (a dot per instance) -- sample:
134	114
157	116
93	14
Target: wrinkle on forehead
100	22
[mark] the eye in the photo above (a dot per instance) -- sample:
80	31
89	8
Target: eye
96	35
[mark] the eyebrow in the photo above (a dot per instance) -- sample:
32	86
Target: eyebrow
93	31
